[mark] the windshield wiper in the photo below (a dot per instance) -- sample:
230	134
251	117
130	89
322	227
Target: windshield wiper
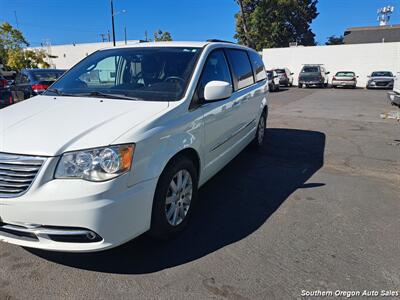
58	92
106	95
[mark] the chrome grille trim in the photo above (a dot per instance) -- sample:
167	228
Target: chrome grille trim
17	173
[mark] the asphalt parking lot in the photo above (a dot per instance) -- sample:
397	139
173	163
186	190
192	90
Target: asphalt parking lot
316	208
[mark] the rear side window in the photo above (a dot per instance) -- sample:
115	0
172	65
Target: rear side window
258	66
216	68
241	68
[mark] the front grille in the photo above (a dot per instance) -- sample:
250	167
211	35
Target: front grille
382	83
17	173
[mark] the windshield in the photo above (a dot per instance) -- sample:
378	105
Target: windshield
382	74
345	74
310	70
280	71
47	75
155	74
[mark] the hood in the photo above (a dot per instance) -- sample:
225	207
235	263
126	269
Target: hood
49	126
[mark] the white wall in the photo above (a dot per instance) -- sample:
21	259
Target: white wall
69	55
360	58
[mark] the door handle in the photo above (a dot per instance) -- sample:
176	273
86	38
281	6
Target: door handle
236	103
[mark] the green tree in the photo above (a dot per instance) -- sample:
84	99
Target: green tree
275	23
13	52
162	36
335	40
27	59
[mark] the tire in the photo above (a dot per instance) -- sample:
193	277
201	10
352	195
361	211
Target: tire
300	86
165	225
260	132
334	86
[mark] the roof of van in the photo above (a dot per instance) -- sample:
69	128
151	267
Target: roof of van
171	44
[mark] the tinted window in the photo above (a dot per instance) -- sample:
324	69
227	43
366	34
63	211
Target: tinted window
258	65
46	75
280	71
345	74
241	67
310	70
216	68
147	73
22	78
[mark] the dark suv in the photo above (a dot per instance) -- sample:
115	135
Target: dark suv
32	82
313	75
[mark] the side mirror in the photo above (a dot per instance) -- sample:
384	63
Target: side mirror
327	73
292	73
357	76
276	76
217	90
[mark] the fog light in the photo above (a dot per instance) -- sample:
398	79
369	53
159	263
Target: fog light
91	236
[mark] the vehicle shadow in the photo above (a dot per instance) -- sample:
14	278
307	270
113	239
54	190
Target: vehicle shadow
281	89
232	205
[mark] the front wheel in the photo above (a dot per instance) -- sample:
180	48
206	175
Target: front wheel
260	133
174	198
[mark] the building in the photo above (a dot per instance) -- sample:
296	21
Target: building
66	56
360	58
372	34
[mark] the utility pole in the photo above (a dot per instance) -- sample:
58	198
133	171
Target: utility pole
125	33
145	36
16	19
103	37
108	34
112	21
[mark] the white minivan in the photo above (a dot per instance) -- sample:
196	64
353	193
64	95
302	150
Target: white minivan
120	144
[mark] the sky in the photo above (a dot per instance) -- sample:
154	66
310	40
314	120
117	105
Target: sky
79	21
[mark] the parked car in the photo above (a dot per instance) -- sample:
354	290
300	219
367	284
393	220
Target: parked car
285	76
394	96
380	80
5	95
273	81
344	79
5	72
89	167
32	82
313	75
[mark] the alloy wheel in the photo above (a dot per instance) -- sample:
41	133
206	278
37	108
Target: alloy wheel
179	197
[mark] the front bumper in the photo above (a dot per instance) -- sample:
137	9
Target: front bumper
111	210
379	86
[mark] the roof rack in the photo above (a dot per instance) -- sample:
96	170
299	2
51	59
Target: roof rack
219	41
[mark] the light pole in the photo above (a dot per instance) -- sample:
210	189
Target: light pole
112	20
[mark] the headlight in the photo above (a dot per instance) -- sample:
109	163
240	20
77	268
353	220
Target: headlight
98	164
